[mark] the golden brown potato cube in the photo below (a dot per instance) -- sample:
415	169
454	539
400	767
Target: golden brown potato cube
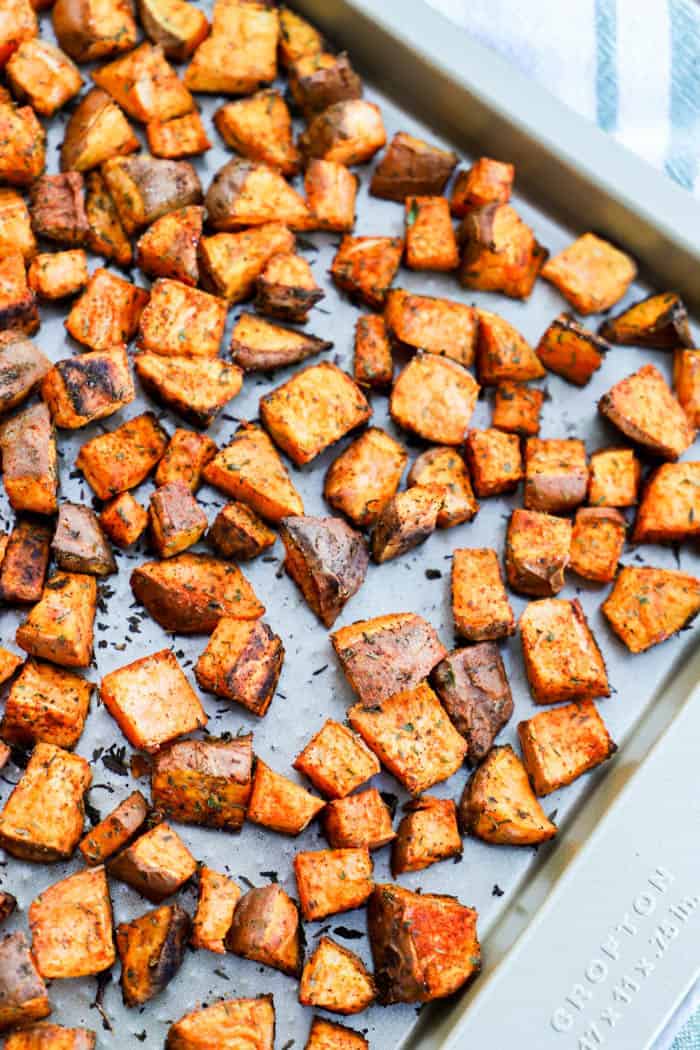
556	474
659	321
116	830
561	744
40	74
16	234
96	130
246	193
92	386
571	350
143	188
218	897
686	382
145	85
18	22
597	542
47	704
411	167
424	946
22	145
42	819
386	654
357	821
500	252
176	519
121	459
242	662
232	262
480	605
60	626
347	133
502	354
486	182
297	37
180	137
327	560
562	658
204	781
473	689
241	52
94	29
287	288
18	309
259	346
177	26
52	1037
330	189
644	409
320	80
647	605
185	458
106	236
494	459
57	205
537	552
434	397
197	388
516	409
156	865
614	478
55	275
266	929
336	979
336	760
124	520
29	460
239	533
427	834
670	507
169	247
412	736
22	367
364	267
430	240
442	468
373	362
71	924
331	881
439	326
9	663
25	562
23	995
591	274
325	1035
408	520
182	321
226	1023
151	701
107	313
364	478
151	950
260	128
498	804
278	803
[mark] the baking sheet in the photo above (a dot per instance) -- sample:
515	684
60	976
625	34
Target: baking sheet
311	687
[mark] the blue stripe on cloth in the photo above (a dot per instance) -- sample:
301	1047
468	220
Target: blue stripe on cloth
682	162
606	64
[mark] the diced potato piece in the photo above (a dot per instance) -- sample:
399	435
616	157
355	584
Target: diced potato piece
22	145
260	128
42	819
177	521
182	321
500	252
107	313
659	321
151	950
266	929
181	137
96	130
22	367
591	274
336	979
358	821
18	309
332	881
434	397
498	804
408	520
473	689
55	275
516	409
494	459
373	362
439	326
336	760
25	562
686	382
278	803
29	460
79	390
597	542
106	236
169	247
411	167
670	507
562	658
325	1035
40	74
537	552
486	182
94	29
480	605
218	897
503	354
177	26
47	704
364	478
9	663
71	924
430	240
204	781
556	474
16	234
250	469
364	267
330	189
561	744
297	37
52	1037
116	830
443	469
124	520
248	193
427	834
121	459
197	388
143	188
226	1025
348	132
23	995
614	478
145	85
320	80
287	288
412	736
57	205
18	22
571	350
60	626
645	410
232	262
327	560
239	533
242	662
241	52
151	701
185	458
156	865
647	605
259	346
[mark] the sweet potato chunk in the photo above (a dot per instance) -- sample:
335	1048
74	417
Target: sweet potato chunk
373	365
156	865
591	274
647	605
537	552
55	275
218	897
503	354
336	760
480	606
670	506
46	703
686	383
473	689
71	924
330	189
427	834
60	626
121	459
260	128
94	29
259	346
144	188
327	560
486	182
443	469
297	37
185	457
645	410
177	26
498	804
561	744
232	262
116	830
439	326
500	252
22	367
107	313
516	409
239	533
25	562
659	321
79	390
18	22
266	929
40	74
29	460
177	521
250	469
434	397
57	205
597	542
411	167
23	995
18	309
320	80
614	478
412	736
556	474
182	321
364	267
494	459
357	821
430	240
246	193
336	979
364	478
183	136
22	145
242	662
169	247
8	903
9	663
204	781
124	520
97	130
52	1037
42	819
197	388
325	1035
287	288
241	52
331	881
408	519
106	236
151	950
562	658
571	350
227	1024
348	132
278	803
16	234
145	85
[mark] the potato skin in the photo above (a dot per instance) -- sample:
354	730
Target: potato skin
266	929
23	995
348	132
242	662
144	188
157	864
408	520
411	167
178	27
474	690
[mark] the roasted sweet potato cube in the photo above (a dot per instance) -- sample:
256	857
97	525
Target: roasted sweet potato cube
55	275
498	804
571	350
18	22
297	37
22	367
116	830
241	52
182	321
597	542
248	193
124	520
226	1023
319	80
365	477
336	979
331	881
260	128
121	459
71	924
42	819
659	321
327	560
348	132
204	781
336	760
364	267
151	950
29	460
242	662
439	326
556	474
152	701
266	929
47	704
614	478
473	689
107	313
145	85
670	507
561	744
197	388
185	458
443	469
16	234
644	409
9	663
287	288
357	821
169	247
8	903
18	309
278	803
412	736
106	236
686	383
52	1037
144	188
22	145
177	26
218	897
648	605
408	519
480	605
94	29
60	626
176	519
232	262
156	865
591	274
239	533
57	205
331	189
494	459
97	130
430	239
25	562
40	74
325	1035
411	167
427	834
562	658
181	137
516	409
373	365
23	995
486	182
79	390
537	552
434	397
259	346
500	252
503	354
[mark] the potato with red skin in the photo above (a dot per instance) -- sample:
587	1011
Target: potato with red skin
177	26
597	542
499	806
556	474
480	605
330	190
228	1022
348	132
516	409
276	802
260	127
430	239
60	626
364	267
116	830
562	744
503	354
46	704
250	469
18	308
176	519
57	206
427	834
267	930
438	326
205	782
362	820
614	475
332	881
659	321
336	760
561	656
107	314
71	924
143	188
22	145
570	350
486	182
156	865
591	274
239	533
408	520
327	560
434	397
122	458
320	80
412	167
218	897
473	688
97	129
242	662
537	552
124	520
151	950
249	193
336	979
648	605
500	252
169	246
645	410
23	995
365	476
669	510
495	463
92	29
